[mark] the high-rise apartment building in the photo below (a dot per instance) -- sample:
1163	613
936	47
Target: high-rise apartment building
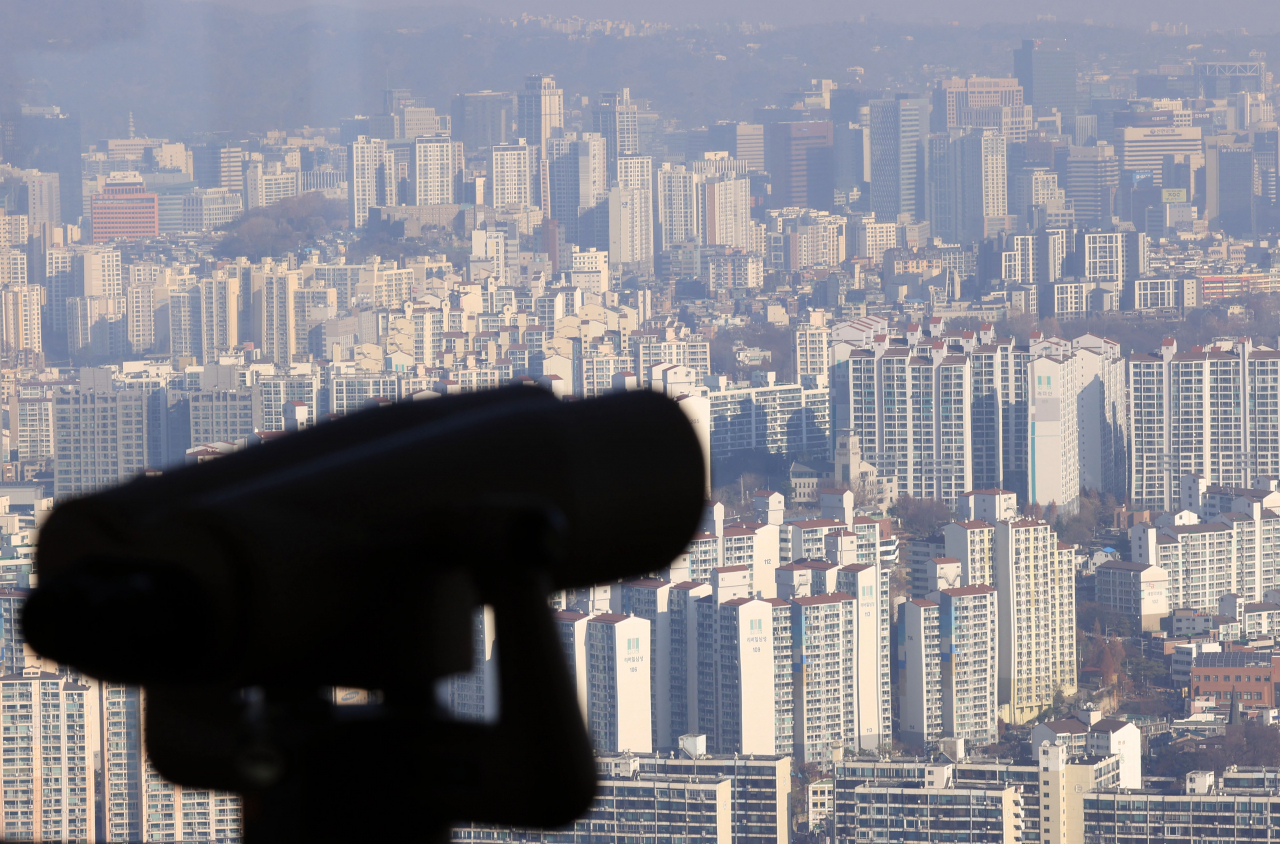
48	778
371	178
539	109
268	184
631	216
20	319
898	130
575	176
512	175
1035	584
275	323
618	681
615	118
99	438
1206	411
911	415
433	171
219	317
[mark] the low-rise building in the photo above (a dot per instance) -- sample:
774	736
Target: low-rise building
1136	590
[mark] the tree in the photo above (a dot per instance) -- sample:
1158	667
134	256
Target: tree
920	517
288	225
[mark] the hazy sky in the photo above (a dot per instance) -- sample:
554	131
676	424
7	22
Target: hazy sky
1258	16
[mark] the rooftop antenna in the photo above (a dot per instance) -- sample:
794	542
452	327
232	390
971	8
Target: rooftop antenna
131	134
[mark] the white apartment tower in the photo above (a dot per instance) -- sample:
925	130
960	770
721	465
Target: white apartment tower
967	627
275	323
371	178
1211	411
48	778
619	701
433	170
921	705
511	175
1035	582
539	108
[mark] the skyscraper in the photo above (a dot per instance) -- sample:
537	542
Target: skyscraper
1093	177
1229	195
798	156
951	97
1035	584
47	139
1048	79
631	216
484	119
575	184
540	109
616	119
511	175
898	168
124	209
967	185
433	170
371	178
743	141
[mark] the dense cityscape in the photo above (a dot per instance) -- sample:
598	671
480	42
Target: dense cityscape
985	367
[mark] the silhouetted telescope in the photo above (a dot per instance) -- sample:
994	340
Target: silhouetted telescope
354	554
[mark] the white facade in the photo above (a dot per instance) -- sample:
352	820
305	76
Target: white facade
433	170
1035	581
618	657
511	175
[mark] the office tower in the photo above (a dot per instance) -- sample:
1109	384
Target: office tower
266	185
20	307
47	139
952	96
205	210
512	176
1048	79
48	783
575	182
615	118
898	131
370	178
852	157
433	171
1229	188
124	209
218	165
539	109
620	713
743	141
1038	202
1035	584
798	156
1142	149
1093	177
967	189
484	119
99	438
679	217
